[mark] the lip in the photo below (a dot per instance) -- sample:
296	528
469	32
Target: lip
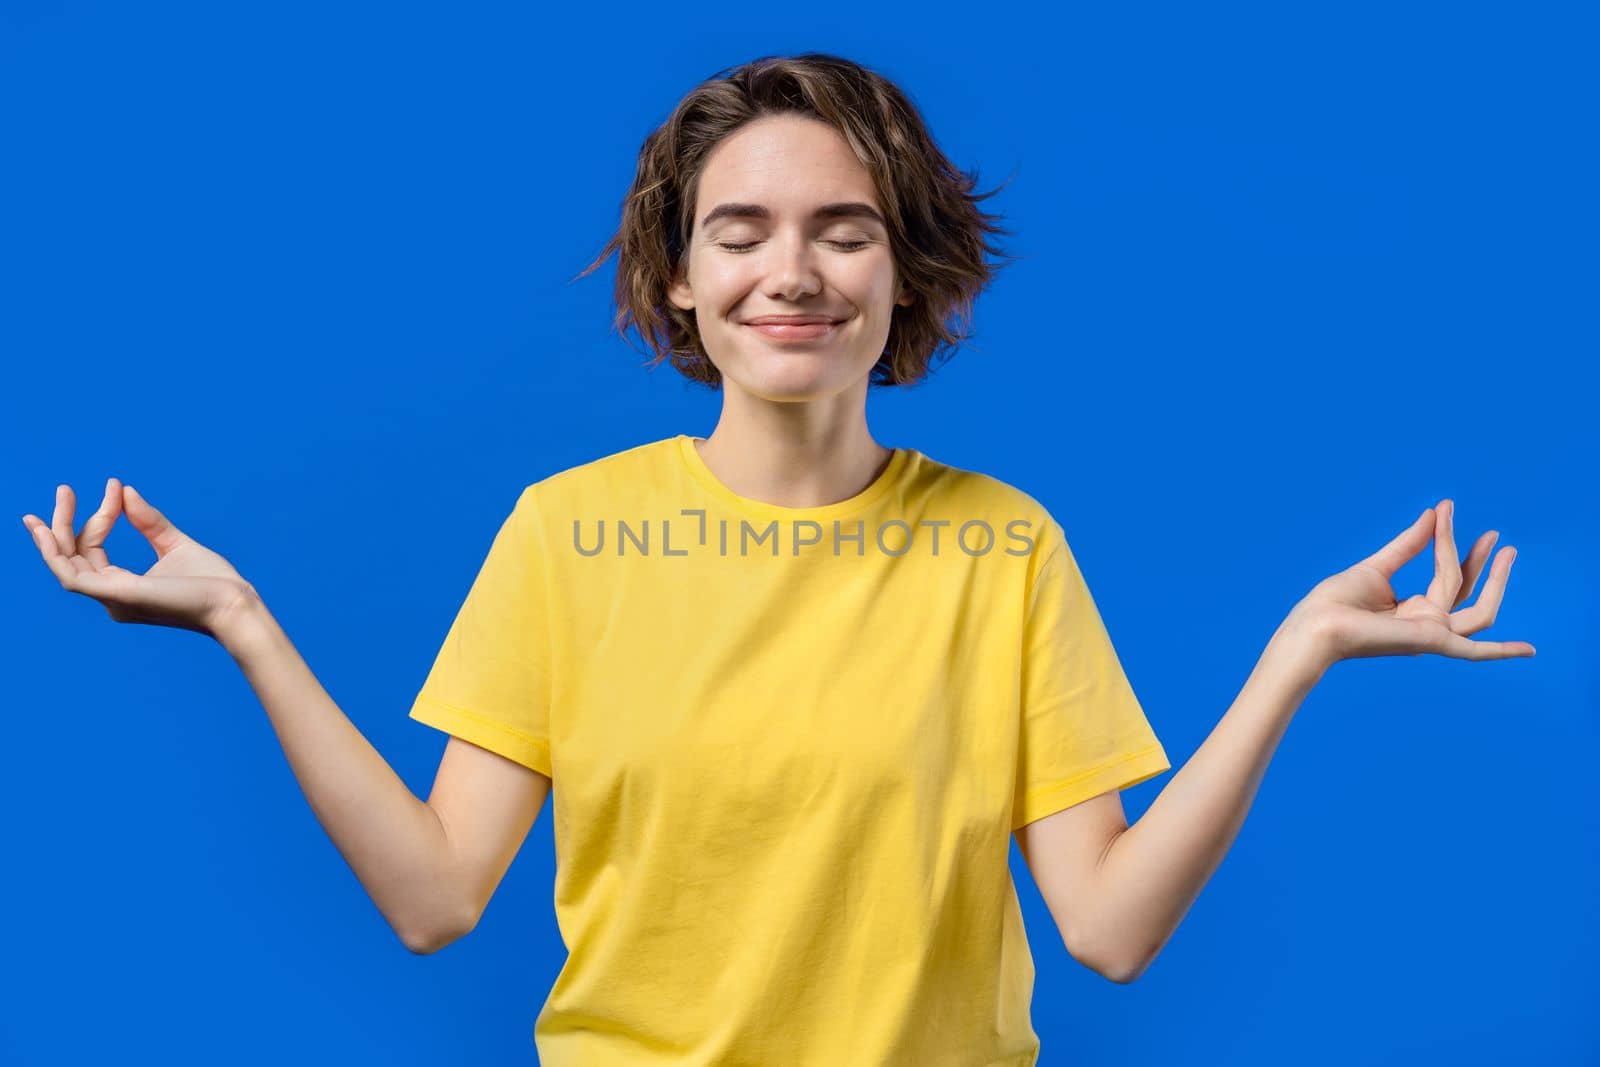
796	317
796	328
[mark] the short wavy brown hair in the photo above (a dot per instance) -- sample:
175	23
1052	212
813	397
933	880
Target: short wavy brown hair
937	234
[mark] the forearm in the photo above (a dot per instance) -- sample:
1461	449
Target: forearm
1153	871
393	841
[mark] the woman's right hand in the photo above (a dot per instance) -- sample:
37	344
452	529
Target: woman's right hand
189	587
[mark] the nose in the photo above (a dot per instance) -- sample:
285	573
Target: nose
792	268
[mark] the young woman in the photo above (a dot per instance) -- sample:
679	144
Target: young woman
795	689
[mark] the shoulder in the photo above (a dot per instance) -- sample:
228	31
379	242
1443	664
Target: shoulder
622	472
966	495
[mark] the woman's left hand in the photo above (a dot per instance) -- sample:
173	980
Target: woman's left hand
1355	613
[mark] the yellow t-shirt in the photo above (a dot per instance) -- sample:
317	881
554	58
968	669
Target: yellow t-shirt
788	747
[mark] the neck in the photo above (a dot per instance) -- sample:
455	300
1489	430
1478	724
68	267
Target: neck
797	463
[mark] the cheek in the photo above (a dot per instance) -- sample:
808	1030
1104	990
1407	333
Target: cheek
724	277
872	286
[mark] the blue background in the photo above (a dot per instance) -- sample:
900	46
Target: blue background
300	274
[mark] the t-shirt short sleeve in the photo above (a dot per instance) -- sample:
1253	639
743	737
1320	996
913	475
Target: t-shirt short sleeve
490	683
1083	731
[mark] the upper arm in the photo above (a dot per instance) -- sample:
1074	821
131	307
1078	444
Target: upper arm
1063	852
487	804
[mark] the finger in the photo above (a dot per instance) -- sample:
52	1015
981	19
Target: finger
1446	563
61	566
50	552
111	586
162	535
61	530
92	538
1458	647
1482	614
1473	567
1392	556
61	521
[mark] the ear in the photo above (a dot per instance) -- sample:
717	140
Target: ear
906	297
679	292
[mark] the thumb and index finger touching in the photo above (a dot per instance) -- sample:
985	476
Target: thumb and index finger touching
1454	579
1392	556
89	543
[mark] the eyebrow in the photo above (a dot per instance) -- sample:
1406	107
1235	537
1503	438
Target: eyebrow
848	210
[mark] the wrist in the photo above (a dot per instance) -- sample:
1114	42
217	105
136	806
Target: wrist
243	624
1302	644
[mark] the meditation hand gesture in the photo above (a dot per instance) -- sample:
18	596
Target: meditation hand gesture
190	587
1356	614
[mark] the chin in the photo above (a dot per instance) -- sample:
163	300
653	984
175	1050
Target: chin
793	380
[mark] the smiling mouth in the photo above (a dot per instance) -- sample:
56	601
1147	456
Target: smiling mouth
795	331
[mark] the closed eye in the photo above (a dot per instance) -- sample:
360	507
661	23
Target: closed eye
745	246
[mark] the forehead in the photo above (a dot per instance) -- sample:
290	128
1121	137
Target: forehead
787	162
